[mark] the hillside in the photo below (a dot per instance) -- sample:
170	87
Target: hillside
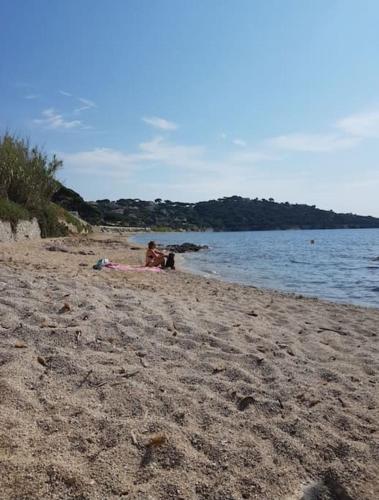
225	214
73	202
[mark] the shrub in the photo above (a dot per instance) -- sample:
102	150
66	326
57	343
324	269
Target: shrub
12	212
27	176
49	219
27	183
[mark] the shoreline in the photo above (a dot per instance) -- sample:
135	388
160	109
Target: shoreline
248	393
188	263
294	294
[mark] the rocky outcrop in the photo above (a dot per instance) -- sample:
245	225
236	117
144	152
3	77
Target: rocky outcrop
25	230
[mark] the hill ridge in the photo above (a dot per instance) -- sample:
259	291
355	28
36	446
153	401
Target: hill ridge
233	213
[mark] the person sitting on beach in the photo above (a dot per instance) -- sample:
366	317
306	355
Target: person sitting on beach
154	258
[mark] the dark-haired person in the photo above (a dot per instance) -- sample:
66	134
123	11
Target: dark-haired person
154	258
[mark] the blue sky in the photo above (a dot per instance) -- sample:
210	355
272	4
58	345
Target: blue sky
192	100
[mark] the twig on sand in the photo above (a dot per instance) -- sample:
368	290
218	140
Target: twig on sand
326	329
129	375
100	384
85	378
120	382
343	404
134	439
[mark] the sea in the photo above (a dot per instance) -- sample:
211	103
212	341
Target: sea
340	265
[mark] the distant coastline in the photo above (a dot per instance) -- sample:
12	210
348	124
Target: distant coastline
233	213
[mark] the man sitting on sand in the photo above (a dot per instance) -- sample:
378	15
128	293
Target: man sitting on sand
154	258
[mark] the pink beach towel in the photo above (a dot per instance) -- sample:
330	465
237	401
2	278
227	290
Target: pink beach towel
126	268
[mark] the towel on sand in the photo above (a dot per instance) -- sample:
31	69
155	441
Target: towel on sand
126	268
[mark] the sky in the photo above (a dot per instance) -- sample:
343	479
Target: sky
199	99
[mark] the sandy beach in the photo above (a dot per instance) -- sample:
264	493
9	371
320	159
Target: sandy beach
173	386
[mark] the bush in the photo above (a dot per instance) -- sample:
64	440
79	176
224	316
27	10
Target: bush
12	212
27	184
50	223
27	176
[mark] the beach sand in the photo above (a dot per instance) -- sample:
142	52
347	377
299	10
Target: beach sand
169	385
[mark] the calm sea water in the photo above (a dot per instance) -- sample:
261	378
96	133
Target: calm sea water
339	266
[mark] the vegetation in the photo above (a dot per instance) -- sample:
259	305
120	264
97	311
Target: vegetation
81	226
50	222
27	176
72	201
11	212
27	185
225	214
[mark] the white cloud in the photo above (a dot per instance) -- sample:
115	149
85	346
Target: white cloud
176	155
104	161
53	120
351	131
239	142
314	143
154	153
85	104
223	135
160	123
360	124
31	96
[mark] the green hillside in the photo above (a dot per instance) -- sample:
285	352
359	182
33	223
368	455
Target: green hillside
226	214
